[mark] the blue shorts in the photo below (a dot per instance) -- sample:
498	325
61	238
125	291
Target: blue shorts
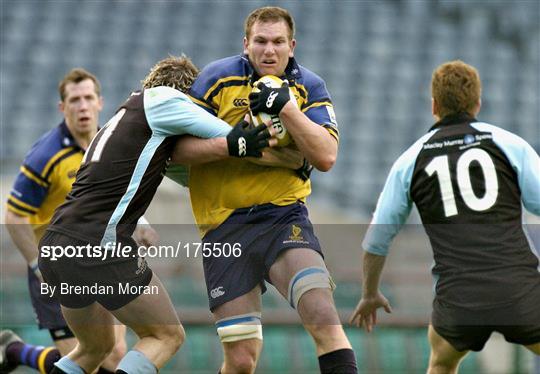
261	232
46	308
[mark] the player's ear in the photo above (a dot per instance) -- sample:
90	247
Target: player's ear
100	103
293	45
61	106
245	42
434	108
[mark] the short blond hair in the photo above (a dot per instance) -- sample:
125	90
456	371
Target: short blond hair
269	14
455	88
175	72
77	75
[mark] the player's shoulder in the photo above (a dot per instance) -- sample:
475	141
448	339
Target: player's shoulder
226	68
500	135
408	158
47	147
309	78
156	95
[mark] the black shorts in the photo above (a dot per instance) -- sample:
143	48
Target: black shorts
81	281
261	232
467	329
46	308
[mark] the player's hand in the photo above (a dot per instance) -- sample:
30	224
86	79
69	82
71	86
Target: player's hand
365	314
145	235
269	100
246	141
304	171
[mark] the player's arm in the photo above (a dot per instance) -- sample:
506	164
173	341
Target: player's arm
286	157
313	140
393	208
365	313
23	236
241	141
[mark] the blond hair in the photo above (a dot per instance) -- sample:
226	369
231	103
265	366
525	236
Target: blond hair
175	72
77	75
455	88
269	14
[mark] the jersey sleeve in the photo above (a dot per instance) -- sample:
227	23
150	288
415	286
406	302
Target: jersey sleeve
394	204
319	107
169	112
525	162
29	190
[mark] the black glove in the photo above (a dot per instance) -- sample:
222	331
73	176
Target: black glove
269	100
304	171
244	141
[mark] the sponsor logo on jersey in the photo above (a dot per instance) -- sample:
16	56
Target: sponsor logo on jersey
468	139
217	292
240	103
271	98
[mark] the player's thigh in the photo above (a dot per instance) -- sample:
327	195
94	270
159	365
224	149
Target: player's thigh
247	303
93	326
442	352
150	314
289	263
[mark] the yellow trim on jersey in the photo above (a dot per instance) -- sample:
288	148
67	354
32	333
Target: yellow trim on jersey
41	359
199	102
19	212
301	87
315	105
53	159
332	132
32	177
223	80
23	204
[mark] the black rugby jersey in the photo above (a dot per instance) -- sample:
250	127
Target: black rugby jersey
125	162
468	180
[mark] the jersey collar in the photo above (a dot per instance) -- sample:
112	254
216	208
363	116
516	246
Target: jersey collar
453	119
292	71
67	138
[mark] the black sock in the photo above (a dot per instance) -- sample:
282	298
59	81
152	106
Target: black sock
101	370
118	371
341	361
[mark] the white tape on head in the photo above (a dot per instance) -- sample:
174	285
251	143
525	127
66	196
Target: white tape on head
308	279
240	327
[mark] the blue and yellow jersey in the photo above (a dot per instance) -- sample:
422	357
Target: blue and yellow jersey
45	177
218	188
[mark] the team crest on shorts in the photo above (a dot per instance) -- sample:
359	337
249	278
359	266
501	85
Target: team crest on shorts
296	236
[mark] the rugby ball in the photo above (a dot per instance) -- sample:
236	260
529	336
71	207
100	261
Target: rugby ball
283	137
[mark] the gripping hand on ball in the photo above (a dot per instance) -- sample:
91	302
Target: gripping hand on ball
244	141
269	100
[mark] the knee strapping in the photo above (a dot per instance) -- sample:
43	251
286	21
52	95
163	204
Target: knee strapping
240	327
308	279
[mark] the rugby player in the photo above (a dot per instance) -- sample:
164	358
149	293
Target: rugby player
44	180
119	175
263	209
468	180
